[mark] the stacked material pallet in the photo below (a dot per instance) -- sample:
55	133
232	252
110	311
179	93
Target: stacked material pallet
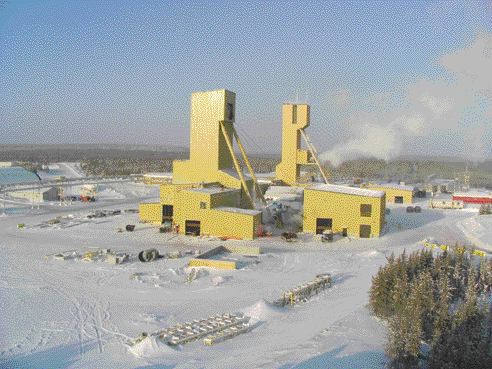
191	331
303	292
226	334
94	255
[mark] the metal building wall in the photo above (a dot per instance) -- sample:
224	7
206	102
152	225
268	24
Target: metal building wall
392	192
344	210
150	212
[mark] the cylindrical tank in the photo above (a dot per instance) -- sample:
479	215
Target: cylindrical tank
148	255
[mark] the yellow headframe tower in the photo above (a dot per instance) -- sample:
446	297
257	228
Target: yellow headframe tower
212	134
210	194
209	153
295	118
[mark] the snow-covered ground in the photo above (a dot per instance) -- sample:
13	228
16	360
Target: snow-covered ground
67	170
478	229
58	314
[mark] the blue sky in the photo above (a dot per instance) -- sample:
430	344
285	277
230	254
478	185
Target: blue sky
123	71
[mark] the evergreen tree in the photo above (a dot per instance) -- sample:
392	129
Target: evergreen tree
400	293
425	298
465	343
482	276
441	310
405	335
380	294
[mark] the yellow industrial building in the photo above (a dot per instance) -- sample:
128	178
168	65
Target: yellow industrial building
341	209
210	194
347	210
295	118
395	193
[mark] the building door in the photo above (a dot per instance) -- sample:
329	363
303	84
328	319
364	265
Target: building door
167	213
344	232
192	227
365	231
323	224
398	199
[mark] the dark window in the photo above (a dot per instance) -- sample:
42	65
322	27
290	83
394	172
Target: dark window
398	199
230	111
203	205
294	114
365	210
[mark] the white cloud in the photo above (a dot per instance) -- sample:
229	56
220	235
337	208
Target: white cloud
472	66
376	140
431	107
437	106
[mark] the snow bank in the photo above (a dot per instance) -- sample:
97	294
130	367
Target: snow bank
478	230
369	254
261	311
109	193
149	347
218	279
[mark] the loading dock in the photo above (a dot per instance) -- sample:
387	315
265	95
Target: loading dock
192	227
323	224
167	213
365	231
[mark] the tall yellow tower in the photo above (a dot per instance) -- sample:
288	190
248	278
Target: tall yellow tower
210	194
209	153
295	118
212	157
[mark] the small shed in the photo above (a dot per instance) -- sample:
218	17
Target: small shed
51	194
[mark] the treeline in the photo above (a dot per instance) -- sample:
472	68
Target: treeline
126	166
413	171
53	155
438	309
157	158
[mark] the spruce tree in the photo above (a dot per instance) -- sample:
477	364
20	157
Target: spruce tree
381	292
482	276
400	293
425	299
405	335
465	342
442	316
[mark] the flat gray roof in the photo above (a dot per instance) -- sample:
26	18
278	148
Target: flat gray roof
212	190
237	210
346	190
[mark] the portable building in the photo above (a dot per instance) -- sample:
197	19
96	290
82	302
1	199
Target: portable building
473	197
